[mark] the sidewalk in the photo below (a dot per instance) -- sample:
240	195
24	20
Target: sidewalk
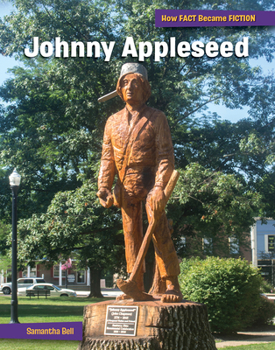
106	292
264	334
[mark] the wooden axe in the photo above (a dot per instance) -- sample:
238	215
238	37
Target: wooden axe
129	286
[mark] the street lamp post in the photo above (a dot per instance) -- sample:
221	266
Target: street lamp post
14	184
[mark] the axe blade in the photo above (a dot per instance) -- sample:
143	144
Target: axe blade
130	288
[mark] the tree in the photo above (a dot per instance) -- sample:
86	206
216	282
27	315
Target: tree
211	205
74	224
52	126
5	264
5	229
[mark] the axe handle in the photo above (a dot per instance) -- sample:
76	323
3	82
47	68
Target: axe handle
108	96
150	230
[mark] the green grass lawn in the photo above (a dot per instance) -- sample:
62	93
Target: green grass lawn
267	346
24	344
34	310
40	310
63	309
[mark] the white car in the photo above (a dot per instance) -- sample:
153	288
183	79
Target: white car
49	288
22	283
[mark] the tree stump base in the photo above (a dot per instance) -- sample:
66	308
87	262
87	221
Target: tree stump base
171	326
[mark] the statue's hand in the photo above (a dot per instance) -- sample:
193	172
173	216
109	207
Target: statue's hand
157	201
105	197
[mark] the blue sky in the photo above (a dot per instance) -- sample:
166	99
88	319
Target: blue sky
5	62
225	113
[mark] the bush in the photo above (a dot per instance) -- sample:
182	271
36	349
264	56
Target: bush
230	288
266	312
266	287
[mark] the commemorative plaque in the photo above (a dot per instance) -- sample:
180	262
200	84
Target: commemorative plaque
121	320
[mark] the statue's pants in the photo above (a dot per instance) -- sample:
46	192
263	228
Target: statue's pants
165	253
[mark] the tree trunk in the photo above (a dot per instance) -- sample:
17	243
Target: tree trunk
95	291
171	326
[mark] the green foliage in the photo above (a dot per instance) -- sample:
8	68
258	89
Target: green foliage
211	204
5	263
266	287
74	225
73	222
266	186
230	288
5	229
266	312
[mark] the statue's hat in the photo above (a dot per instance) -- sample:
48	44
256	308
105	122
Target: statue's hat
138	68
127	68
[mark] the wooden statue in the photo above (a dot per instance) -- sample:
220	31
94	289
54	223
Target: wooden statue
137	146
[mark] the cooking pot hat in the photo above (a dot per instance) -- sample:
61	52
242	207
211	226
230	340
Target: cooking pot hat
138	68
127	68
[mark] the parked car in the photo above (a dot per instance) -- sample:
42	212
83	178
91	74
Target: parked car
54	290
21	283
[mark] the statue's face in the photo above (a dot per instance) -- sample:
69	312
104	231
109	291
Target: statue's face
131	89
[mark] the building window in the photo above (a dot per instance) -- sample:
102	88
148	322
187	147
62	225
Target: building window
80	276
181	246
32	272
234	246
56	272
269	243
207	246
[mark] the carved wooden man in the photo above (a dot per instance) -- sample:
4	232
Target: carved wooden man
137	147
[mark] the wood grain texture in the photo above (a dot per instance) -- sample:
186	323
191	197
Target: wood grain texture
174	326
137	146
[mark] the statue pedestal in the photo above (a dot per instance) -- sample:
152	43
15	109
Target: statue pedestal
171	326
